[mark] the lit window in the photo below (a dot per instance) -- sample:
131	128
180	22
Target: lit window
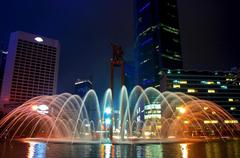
210	121
180	82
233	108
207	82
230	99
183	82
211	91
210	82
176	86
224	87
230	121
218	82
191	90
229	79
175	81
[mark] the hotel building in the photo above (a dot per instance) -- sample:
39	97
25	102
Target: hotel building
31	69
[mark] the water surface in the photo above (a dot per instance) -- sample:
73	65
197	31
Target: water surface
218	149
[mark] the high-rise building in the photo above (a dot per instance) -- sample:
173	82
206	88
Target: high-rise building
3	56
81	89
31	68
129	75
157	39
221	87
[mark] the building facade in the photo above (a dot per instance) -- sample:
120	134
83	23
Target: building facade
31	68
81	88
3	57
221	87
157	39
129	75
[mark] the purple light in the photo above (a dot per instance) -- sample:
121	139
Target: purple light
144	7
146	41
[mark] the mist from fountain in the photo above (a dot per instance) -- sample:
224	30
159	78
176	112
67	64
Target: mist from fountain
147	114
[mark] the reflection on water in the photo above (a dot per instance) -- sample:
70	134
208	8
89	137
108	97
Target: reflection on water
172	150
36	150
106	150
184	149
153	151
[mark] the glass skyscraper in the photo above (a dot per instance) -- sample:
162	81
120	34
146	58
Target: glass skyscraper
157	39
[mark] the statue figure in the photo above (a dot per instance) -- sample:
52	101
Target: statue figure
117	52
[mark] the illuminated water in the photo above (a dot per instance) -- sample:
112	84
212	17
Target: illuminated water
65	117
218	149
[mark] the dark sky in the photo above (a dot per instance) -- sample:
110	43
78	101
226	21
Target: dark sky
210	33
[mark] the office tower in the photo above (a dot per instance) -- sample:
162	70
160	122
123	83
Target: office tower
81	88
129	75
31	68
3	56
157	39
221	87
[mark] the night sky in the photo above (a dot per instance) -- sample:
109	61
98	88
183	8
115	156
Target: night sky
210	31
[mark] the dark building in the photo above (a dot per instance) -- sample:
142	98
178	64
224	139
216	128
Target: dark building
129	75
81	88
31	69
221	87
157	39
3	57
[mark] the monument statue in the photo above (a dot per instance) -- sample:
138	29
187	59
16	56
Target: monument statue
117	52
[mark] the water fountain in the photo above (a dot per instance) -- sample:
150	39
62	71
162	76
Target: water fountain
149	116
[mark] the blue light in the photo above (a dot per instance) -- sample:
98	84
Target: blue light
175	81
146	41
144	7
108	121
148	81
108	110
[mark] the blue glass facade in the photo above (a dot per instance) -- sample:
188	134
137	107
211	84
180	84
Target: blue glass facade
157	39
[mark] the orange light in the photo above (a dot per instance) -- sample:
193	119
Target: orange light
34	107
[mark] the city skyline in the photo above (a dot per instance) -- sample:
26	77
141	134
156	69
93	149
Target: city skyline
138	78
197	22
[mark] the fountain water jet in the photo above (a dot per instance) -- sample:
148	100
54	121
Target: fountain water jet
149	116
